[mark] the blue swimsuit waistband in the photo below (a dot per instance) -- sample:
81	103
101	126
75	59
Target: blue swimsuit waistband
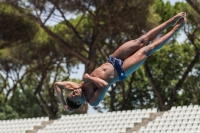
117	63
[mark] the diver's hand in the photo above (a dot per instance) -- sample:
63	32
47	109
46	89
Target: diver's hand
98	82
67	108
86	77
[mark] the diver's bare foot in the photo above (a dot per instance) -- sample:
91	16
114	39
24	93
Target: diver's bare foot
174	20
180	23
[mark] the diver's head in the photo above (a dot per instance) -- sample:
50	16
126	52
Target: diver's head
75	98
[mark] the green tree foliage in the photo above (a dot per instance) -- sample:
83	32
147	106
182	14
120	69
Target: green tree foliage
14	27
29	68
191	89
6	111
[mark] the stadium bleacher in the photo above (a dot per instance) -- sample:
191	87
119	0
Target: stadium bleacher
185	119
106	122
20	125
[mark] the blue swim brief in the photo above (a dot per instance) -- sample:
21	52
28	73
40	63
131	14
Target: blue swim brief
117	63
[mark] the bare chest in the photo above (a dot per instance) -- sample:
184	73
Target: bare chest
106	72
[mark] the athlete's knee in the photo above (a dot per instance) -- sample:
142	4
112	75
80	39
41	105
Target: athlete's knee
143	39
146	51
141	53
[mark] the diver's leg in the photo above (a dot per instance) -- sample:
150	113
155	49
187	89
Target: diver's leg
130	47
138	58
159	43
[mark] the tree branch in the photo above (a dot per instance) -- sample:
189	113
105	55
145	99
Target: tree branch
123	96
112	97
14	86
65	45
153	85
129	84
49	15
42	107
180	82
194	6
39	86
61	42
70	26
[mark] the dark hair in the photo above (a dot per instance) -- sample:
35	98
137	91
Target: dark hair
71	104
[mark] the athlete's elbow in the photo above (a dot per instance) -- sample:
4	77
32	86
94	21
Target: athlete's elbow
94	104
103	85
55	85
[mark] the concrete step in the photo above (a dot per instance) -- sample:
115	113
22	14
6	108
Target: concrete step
43	125
144	122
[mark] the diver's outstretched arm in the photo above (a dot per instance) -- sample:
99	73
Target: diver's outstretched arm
67	85
60	94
